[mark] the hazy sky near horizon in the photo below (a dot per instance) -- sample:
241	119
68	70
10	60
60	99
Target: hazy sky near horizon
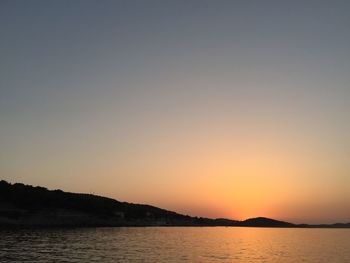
211	108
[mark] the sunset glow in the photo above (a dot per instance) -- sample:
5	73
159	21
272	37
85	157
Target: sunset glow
207	110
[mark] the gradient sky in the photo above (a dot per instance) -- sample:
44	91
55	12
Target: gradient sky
210	108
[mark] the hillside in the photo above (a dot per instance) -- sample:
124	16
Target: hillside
26	205
264	222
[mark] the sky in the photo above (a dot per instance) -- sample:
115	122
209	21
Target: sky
219	108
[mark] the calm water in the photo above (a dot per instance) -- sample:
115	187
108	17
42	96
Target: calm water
176	244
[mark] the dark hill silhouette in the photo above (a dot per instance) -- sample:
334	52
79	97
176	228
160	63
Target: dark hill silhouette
264	222
25	205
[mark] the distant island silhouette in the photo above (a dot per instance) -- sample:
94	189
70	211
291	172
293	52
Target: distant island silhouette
26	205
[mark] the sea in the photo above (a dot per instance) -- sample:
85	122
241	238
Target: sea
175	244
